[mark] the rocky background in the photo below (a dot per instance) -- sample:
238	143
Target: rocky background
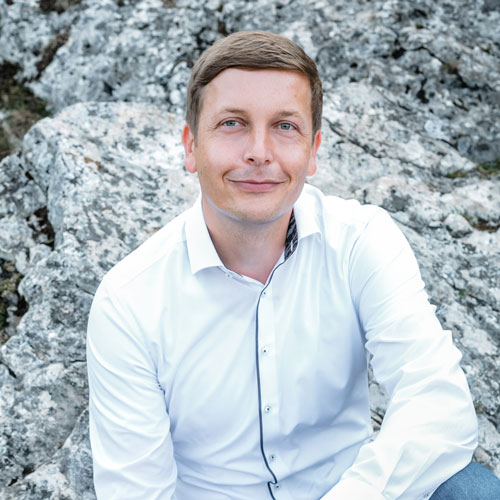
411	123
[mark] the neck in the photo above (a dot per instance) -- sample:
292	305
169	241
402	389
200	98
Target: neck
247	248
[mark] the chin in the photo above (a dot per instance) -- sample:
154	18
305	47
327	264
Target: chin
257	217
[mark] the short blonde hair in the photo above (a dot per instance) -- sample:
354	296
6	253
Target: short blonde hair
251	50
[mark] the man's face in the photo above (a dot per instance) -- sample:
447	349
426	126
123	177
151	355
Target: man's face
254	146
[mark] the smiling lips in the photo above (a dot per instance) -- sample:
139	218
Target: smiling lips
256	186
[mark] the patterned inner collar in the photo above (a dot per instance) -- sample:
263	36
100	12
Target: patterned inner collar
292	237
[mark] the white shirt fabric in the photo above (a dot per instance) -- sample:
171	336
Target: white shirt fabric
208	385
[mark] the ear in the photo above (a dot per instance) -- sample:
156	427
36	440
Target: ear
312	160
188	141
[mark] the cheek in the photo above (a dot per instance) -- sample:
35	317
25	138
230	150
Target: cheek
295	161
213	151
220	157
210	167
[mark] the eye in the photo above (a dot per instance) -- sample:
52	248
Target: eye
230	123
286	126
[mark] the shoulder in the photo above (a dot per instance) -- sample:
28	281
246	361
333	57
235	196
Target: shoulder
339	219
166	244
133	293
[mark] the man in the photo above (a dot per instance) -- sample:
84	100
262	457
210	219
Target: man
228	354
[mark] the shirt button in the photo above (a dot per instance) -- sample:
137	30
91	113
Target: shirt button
277	486
264	350
267	408
272	457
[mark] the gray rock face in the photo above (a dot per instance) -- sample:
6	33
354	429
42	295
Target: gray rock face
109	175
452	224
411	123
438	59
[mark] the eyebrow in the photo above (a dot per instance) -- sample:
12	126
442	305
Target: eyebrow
280	114
289	114
236	111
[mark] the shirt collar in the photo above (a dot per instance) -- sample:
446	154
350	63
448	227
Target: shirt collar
306	212
201	250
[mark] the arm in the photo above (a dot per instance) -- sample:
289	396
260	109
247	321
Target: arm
429	431
129	424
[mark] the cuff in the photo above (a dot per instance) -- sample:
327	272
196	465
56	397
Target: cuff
353	489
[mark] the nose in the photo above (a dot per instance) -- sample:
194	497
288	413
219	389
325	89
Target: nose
258	150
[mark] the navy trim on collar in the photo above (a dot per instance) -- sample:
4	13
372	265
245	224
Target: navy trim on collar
292	237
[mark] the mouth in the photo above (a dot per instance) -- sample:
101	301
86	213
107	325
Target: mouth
256	186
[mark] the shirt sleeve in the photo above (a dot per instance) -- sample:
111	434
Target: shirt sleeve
129	424
429	431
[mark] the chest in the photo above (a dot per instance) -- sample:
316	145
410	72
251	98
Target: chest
291	351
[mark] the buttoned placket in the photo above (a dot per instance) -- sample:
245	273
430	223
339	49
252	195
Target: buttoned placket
267	376
269	390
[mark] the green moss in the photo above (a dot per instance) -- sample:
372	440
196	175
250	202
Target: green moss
479	407
3	316
21	98
9	286
489	168
481	224
5	146
17	97
9	282
458	174
486	170
9	279
22	107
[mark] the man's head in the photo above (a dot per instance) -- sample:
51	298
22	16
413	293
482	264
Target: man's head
251	50
252	132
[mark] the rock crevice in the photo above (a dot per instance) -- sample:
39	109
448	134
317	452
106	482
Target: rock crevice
411	123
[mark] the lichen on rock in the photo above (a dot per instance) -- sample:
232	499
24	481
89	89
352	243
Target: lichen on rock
411	123
12	305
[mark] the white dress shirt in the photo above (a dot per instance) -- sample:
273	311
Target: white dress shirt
209	385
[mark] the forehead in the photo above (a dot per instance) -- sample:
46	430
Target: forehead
258	90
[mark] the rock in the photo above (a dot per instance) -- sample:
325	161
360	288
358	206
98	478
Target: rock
457	225
68	476
411	123
104	199
435	65
27	32
479	203
106	189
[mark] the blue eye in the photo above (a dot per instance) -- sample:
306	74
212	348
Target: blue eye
286	126
230	123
